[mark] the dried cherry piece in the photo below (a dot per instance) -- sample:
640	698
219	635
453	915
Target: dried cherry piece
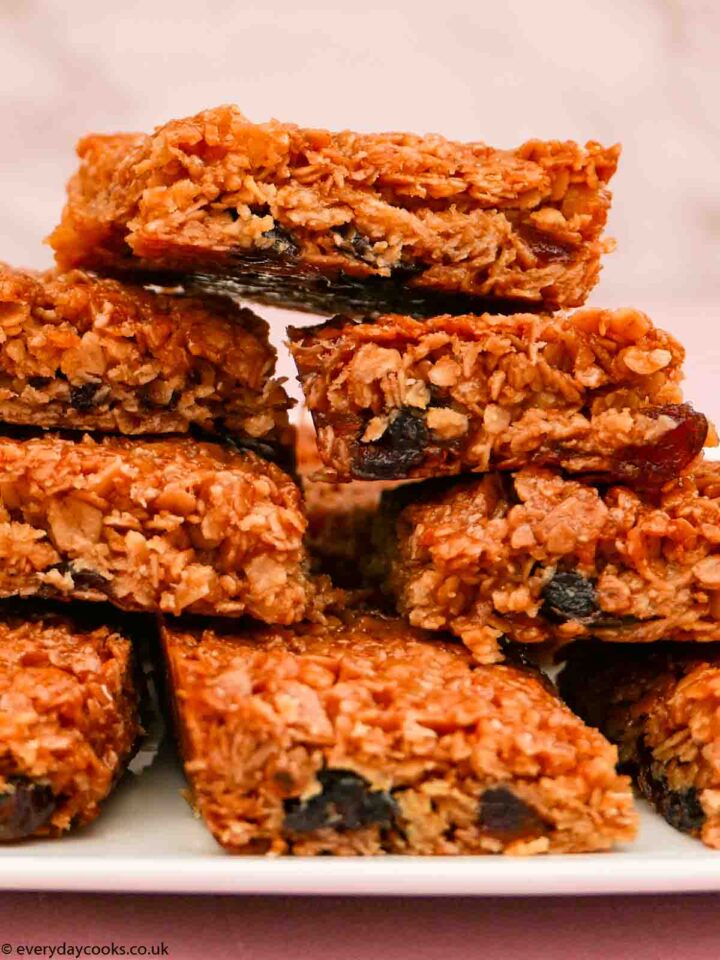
90	580
283	242
83	578
356	244
85	397
507	817
681	808
400	448
546	250
25	808
569	596
653	464
346	802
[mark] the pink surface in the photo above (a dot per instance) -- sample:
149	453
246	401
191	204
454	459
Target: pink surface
256	928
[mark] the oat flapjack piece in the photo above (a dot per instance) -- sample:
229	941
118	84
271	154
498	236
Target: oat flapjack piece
661	706
68	719
163	525
340	517
80	352
536	557
364	736
332	222
594	392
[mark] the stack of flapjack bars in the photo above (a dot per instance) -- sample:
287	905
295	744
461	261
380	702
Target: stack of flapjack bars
352	624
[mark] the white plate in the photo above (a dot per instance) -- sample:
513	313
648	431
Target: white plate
147	840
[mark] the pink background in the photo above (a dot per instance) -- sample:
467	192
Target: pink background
644	73
255	928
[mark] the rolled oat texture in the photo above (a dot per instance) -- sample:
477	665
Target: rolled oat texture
157	525
68	719
536	557
340	517
80	352
595	392
327	221
365	736
661	706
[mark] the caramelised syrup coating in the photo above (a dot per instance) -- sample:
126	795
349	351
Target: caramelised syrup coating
156	525
596	392
84	353
365	736
68	718
536	557
660	705
345	221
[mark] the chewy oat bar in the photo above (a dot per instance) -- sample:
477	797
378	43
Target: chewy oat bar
533	556
80	352
365	736
661	706
340	517
593	392
68	719
171	525
346	221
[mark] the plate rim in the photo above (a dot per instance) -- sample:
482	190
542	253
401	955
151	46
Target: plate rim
570	874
